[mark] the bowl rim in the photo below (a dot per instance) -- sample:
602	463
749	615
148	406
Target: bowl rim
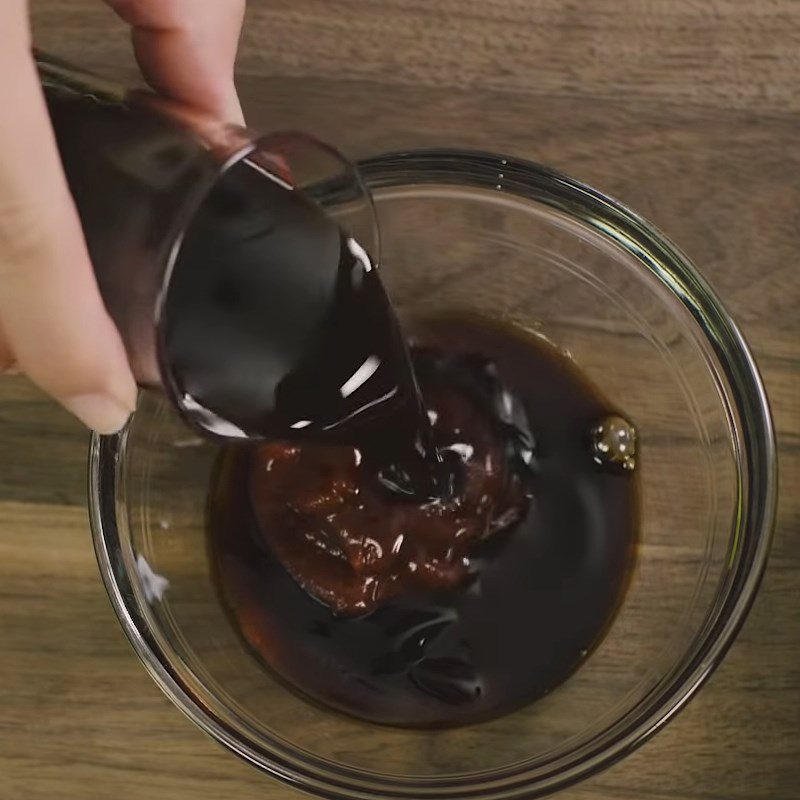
658	255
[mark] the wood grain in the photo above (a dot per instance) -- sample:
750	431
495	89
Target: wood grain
685	110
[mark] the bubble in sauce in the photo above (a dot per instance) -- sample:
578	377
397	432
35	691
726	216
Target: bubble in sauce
614	442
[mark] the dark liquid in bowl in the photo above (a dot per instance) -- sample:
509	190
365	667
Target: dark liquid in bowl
411	612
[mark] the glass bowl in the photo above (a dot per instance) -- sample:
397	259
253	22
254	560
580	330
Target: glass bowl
510	239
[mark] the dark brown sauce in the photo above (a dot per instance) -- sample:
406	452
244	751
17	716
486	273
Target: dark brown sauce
272	311
451	628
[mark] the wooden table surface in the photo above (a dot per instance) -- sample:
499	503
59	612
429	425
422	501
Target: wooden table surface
685	110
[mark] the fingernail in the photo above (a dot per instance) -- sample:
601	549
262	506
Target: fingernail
100	412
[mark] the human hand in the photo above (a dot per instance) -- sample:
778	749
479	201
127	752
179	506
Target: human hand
53	324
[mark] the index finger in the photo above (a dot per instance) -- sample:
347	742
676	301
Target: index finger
186	49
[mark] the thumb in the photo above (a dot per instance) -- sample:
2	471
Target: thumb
51	314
